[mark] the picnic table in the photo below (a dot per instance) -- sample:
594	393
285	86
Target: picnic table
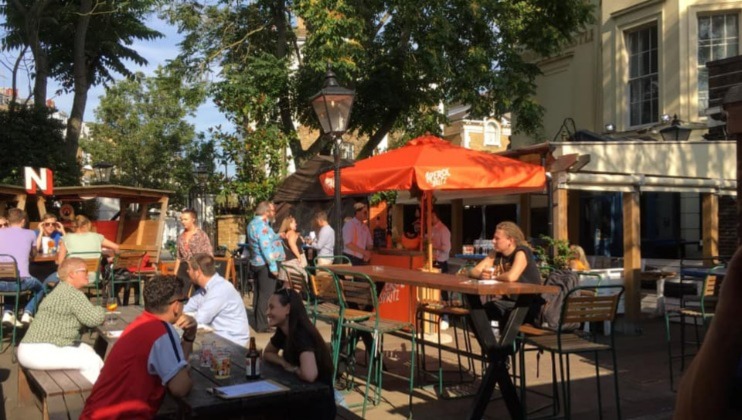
201	401
497	351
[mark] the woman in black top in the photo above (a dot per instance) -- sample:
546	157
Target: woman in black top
304	350
292	243
512	260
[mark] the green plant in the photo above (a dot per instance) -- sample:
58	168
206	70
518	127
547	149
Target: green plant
555	253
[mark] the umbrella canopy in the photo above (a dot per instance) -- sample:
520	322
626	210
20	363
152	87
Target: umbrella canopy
430	163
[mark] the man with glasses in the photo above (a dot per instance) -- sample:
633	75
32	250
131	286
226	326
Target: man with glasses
53	340
216	304
357	240
148	358
19	242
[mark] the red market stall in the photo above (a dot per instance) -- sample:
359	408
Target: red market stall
431	165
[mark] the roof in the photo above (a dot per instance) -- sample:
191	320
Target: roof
109	191
304	184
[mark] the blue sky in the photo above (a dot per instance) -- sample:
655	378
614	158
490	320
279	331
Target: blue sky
156	53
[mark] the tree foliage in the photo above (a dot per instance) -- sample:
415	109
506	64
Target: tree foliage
403	58
32	137
141	129
79	43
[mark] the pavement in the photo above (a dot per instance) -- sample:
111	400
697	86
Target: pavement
642	370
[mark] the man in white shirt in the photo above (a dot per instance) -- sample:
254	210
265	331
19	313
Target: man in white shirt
217	304
357	241
325	243
440	237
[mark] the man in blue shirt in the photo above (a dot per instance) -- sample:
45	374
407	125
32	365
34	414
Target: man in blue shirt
216	304
266	251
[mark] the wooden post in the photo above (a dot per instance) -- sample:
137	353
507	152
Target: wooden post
560	212
41	206
123	204
733	106
161	225
457	226
710	214
632	259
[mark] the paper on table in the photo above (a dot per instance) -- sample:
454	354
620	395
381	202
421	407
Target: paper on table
115	333
487	282
249	388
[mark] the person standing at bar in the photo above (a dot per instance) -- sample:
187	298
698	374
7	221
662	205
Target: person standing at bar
325	243
357	238
440	238
266	251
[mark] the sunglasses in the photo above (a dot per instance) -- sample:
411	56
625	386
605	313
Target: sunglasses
2	225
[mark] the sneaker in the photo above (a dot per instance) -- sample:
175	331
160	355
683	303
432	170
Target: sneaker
10	320
26	318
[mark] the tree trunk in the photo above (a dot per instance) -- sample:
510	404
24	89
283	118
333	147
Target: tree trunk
373	142
81	84
32	17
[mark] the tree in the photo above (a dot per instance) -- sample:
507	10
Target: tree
33	137
403	58
78	43
141	130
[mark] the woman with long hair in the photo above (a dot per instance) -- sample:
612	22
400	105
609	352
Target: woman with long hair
83	240
304	350
192	241
578	259
511	260
292	243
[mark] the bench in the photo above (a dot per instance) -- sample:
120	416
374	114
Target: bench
62	393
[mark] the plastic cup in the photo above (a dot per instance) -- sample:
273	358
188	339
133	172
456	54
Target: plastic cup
223	365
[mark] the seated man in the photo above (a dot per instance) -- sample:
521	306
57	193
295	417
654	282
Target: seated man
216	304
147	359
53	340
20	243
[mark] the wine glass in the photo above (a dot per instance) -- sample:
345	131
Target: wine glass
111	305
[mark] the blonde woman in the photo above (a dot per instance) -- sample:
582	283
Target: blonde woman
578	259
292	243
512	260
83	240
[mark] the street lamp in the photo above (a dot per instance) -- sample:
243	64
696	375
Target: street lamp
333	104
102	172
675	131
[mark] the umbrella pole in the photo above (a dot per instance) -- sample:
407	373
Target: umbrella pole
429	228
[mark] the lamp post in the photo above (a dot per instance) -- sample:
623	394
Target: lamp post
102	172
675	131
333	104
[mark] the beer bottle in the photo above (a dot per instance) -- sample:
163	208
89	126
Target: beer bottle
252	361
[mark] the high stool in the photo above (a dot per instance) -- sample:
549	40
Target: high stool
433	312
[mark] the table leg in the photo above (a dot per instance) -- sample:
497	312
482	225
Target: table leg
497	354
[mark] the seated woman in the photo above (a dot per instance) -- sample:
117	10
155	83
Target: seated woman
511	260
578	259
53	339
304	350
82	244
49	228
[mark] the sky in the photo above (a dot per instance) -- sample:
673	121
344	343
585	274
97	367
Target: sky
156	53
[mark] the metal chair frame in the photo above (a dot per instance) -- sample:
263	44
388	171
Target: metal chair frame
9	272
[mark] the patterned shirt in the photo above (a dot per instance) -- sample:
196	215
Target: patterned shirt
61	315
199	243
266	247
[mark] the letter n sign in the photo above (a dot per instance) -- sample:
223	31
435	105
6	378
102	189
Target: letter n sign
44	180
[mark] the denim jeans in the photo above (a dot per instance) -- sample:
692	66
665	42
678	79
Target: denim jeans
27	283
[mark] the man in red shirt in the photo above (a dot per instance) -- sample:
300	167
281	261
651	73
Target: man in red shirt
147	359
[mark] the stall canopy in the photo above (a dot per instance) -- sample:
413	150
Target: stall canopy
432	165
429	163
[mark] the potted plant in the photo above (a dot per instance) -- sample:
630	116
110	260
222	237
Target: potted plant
553	254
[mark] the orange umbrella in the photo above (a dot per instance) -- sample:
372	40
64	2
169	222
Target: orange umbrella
430	163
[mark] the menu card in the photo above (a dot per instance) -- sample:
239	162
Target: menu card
248	389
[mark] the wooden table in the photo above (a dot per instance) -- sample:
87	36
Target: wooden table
497	351
42	265
200	402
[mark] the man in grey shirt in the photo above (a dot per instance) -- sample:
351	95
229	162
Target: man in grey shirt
325	243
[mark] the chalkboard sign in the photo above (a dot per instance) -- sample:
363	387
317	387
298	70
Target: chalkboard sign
223	266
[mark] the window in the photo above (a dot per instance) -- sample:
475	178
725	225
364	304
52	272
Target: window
718	37
643	87
491	134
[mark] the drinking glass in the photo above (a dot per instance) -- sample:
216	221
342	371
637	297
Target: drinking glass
111	305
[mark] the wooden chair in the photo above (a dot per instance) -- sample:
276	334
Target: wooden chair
582	305
9	273
336	259
360	290
698	309
128	264
225	268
